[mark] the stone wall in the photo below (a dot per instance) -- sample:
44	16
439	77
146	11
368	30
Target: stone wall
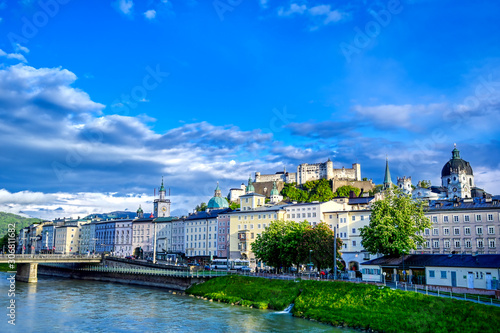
365	185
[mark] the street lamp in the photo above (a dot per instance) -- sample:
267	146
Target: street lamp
310	262
384	273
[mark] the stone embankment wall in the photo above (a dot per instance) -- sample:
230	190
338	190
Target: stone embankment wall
170	282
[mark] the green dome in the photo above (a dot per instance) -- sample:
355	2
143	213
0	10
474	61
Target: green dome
274	191
217	202
250	187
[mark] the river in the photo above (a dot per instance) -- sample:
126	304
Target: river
65	305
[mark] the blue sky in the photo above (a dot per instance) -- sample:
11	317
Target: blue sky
99	99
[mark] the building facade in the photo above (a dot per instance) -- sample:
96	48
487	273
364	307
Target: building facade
67	239
142	237
123	238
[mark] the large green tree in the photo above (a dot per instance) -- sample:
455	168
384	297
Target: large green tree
396	225
318	242
278	245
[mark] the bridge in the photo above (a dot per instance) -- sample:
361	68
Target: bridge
27	264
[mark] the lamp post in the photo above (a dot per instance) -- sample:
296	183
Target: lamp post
383	274
334	253
310	262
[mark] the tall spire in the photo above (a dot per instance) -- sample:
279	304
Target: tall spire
217	191
387	176
162	188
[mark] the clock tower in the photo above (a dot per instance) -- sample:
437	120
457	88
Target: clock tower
162	205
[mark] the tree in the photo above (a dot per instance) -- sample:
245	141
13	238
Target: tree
345	191
201	207
234	205
278	245
424	183
320	239
396	225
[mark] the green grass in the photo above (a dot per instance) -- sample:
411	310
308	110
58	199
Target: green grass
248	291
5	268
355	305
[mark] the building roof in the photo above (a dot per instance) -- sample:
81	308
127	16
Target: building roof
217	202
165	219
456	164
439	260
211	214
360	201
464	204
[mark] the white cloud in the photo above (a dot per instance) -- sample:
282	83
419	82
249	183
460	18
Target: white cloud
24	49
16	56
264	3
293	9
124	6
150	14
320	14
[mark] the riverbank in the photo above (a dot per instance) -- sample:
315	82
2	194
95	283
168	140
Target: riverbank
360	306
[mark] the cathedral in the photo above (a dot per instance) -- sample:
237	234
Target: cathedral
457	182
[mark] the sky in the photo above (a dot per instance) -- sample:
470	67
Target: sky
101	99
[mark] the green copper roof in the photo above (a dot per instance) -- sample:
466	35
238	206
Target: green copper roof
387	177
139	210
250	187
455	153
162	189
217	202
274	191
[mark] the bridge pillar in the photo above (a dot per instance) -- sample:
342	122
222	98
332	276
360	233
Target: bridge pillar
27	272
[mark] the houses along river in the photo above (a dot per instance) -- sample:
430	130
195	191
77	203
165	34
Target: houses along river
65	305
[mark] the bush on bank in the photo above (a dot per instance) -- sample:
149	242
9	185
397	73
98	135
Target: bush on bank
356	305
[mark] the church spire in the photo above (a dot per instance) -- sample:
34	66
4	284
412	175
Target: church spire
387	176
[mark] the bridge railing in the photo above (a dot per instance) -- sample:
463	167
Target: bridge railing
153	271
49	256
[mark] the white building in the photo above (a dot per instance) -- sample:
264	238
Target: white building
123	240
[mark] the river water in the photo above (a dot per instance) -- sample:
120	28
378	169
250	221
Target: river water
64	305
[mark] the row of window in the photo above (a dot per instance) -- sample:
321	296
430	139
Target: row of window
466	218
444	275
458	243
260	216
251	226
456	231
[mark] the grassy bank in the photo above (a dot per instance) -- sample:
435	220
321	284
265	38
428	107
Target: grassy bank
355	305
5	268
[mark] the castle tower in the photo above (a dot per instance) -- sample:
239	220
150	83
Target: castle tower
162	205
387	176
329	169
404	184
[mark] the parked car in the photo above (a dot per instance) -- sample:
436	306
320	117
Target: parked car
207	267
129	257
245	269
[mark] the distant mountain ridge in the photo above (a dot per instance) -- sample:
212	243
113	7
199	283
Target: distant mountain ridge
20	221
113	215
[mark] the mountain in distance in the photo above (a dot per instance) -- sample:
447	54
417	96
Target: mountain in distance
113	215
20	222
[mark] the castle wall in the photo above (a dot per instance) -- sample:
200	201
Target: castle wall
365	185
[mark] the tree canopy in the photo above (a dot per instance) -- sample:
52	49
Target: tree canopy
286	243
345	191
201	207
396	225
314	190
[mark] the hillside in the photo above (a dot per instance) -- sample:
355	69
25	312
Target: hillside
21	222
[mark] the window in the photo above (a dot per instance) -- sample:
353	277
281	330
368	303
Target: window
427	244
287	216
457	243
434	219
455	218
480	243
353	243
239	226
446	231
308	214
456	231
293	215
490	217
491	243
251	226
443	274
491	230
468	243
258	226
362	217
314	214
435	244
435	231
353	230
466	230
427	232
445	218
330	217
432	274
478	218
447	244
479	230
354	218
252	235
466	218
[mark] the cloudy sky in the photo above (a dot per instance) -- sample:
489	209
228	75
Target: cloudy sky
100	99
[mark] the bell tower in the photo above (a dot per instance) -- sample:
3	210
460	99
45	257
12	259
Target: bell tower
162	205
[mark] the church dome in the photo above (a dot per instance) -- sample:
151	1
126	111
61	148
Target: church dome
456	164
250	187
217	202
274	191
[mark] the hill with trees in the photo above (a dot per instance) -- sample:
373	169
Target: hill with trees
316	190
19	221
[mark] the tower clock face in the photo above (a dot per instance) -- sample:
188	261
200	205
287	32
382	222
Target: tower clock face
164	209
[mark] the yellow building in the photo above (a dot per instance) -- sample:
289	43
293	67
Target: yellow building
67	239
249	221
